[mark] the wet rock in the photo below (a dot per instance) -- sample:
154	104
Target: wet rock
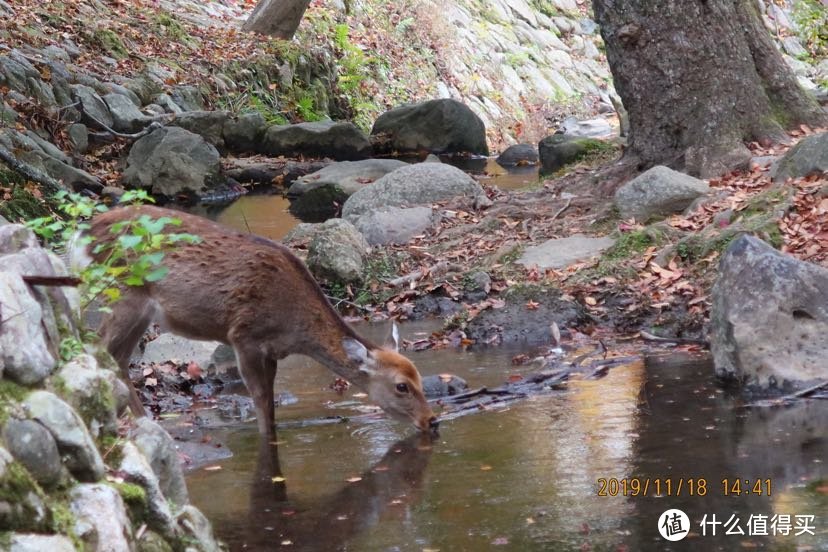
223	360
337	252
243	134
78	138
197	526
207	124
394	225
519	154
101	520
81	456
340	141
514	323
91	391
95	110
168	346
136	469
320	195
19	542
769	317
658	192
25	356
562	252
436	126
34	447
443	385
559	150
420	184
126	117
592	128
160	451
808	156
172	160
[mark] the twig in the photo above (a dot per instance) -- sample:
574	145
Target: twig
647	336
71	281
345	301
788	398
440	268
50	185
562	209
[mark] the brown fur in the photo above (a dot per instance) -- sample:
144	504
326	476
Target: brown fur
255	295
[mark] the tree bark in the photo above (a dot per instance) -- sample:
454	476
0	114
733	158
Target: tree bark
279	18
699	78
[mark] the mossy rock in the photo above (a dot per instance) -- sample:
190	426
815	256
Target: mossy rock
559	150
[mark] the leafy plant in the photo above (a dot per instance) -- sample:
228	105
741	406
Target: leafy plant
811	20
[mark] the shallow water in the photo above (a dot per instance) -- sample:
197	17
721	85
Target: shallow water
524	478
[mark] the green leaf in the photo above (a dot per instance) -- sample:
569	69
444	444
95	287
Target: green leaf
157	274
129	241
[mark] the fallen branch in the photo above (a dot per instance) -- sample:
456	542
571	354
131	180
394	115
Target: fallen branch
787	399
49	184
562	209
647	336
71	281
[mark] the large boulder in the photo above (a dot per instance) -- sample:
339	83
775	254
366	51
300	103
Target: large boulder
172	160
161	453
436	126
32	445
244	132
101	519
420	184
559	150
394	225
769	317
126	117
319	195
518	154
337	252
809	156
207	124
95	110
340	141
658	192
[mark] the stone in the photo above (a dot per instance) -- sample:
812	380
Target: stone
435	126
592	128
188	98
126	117
321	194
769	317
71	177
792	45
394	225
207	124
49	148
101	520
340	141
172	160
519	154
80	454
420	184
160	451
39	543
136	469
559	150
808	156
78	138
243	133
143	87
198	527
169	346
562	252
25	355
337	252
91	391
33	446
658	192
95	110
15	237
443	385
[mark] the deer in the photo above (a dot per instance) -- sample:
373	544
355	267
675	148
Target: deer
255	295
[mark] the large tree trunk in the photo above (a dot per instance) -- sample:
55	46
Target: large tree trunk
699	78
279	18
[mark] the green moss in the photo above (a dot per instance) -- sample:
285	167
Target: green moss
135	499
99	404
109	41
22	205
112	449
62	521
629	244
170	27
11	395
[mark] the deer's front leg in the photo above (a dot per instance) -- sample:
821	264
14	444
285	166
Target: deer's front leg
258	370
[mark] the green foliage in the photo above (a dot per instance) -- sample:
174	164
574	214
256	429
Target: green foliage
11	394
132	256
70	348
306	107
629	244
354	68
811	18
108	40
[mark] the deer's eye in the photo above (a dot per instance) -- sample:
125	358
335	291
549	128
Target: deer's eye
402	388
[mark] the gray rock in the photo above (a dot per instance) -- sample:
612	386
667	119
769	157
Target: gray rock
126	116
243	134
657	192
559	150
160	451
809	156
340	141
394	225
32	445
420	184
3	221
592	128
13	74
562	252
56	53
207	124
95	110
319	195
143	87
188	98
137	470
168	346
223	360
69	175
20	542
337	252
197	526
49	148
100	518
25	356
115	88
167	103
81	456
769	316
792	45
171	160
15	237
519	154
43	93
431	158
436	126
90	390
443	385
302	232
78	138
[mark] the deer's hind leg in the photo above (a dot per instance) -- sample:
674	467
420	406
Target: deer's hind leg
258	370
121	330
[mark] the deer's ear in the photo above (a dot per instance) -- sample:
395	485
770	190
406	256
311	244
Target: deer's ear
358	354
393	341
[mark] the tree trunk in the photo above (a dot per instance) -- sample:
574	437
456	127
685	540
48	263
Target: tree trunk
279	18
699	78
